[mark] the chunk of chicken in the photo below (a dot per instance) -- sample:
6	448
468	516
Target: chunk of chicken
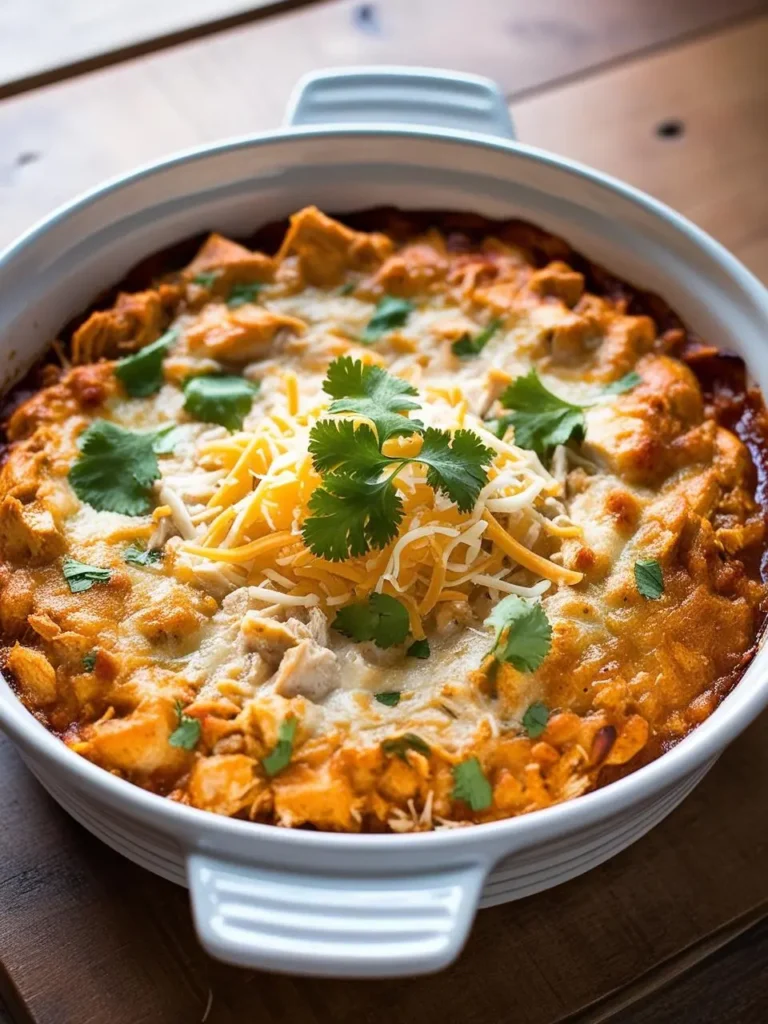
270	638
308	670
134	321
223	783
35	674
326	248
28	533
238	335
230	263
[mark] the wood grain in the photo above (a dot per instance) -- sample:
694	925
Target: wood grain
716	91
45	40
126	936
507	39
63	139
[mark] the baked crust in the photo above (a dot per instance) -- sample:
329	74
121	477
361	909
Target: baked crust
661	475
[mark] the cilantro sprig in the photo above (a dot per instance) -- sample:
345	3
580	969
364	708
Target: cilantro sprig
523	633
381	618
371	392
223	400
142	373
400	745
135	555
389	314
419	649
242	294
116	469
281	754
471	785
466	346
542	420
389	698
187	733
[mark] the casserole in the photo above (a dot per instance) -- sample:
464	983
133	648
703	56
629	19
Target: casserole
333	904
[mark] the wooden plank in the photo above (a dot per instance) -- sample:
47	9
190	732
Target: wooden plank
72	909
509	39
44	40
65	138
688	126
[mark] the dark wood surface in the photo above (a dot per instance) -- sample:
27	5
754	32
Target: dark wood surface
673	929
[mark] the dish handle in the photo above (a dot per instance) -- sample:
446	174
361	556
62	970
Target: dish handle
278	919
444	99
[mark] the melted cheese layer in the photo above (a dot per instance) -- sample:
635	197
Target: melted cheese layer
234	624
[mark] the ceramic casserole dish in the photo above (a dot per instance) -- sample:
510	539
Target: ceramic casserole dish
371	905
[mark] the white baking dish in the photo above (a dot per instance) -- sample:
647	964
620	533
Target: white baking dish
371	905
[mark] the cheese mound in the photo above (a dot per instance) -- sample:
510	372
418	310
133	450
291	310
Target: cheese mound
196	650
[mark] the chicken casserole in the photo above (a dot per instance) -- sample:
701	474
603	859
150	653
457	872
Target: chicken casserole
392	530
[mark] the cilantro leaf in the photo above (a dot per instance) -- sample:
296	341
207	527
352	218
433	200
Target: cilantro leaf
626	383
338	446
80	576
136	556
224	400
390	698
467	346
142	373
649	578
455	465
89	661
242	294
350	516
382	619
523	633
205	279
166	438
541	419
389	314
347	288
115	470
419	649
535	719
471	785
400	745
187	733
280	756
371	392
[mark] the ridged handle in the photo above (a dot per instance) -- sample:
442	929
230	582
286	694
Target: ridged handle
332	926
443	99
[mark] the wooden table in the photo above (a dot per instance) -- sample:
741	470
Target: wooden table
671	95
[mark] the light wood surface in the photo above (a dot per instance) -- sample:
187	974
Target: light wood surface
717	88
62	139
88	938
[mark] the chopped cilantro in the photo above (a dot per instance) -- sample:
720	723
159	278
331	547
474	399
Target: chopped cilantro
224	400
467	346
381	618
205	279
116	469
187	733
523	633
81	576
142	373
400	745
649	578
419	649
389	314
371	392
348	288
625	383
89	661
541	419
137	556
242	294
281	754
390	698
471	785
535	719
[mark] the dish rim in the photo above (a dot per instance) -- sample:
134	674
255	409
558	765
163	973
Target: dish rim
706	741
